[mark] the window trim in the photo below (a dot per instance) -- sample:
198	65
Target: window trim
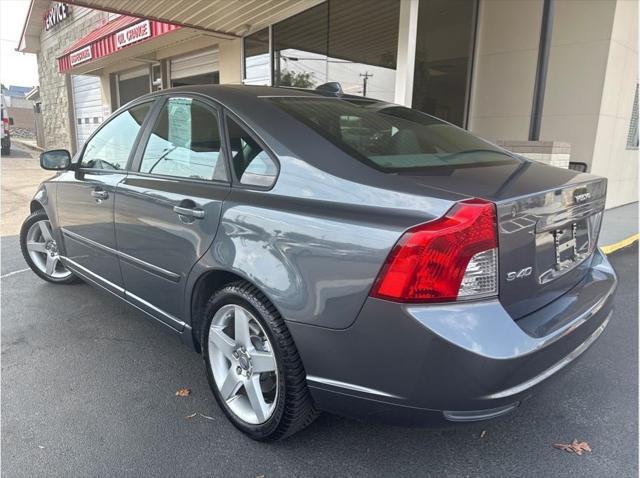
134	147
235	181
215	108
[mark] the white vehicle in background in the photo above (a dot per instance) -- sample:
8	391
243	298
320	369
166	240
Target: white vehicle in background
5	129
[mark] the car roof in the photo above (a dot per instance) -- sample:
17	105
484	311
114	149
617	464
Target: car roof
256	91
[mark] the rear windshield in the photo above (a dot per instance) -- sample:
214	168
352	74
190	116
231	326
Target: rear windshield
392	138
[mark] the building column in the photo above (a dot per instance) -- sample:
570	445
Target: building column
406	57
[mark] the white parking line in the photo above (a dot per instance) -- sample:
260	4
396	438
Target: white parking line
9	274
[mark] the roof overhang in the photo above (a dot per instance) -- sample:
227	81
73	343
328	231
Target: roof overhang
34	94
30	38
229	17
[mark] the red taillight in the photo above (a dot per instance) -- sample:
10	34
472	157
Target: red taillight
429	262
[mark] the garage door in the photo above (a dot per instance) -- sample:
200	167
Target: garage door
202	65
87	106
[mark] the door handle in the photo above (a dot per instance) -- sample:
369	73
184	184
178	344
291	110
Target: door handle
99	194
190	212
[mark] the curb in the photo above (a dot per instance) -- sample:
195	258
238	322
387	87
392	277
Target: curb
33	147
620	244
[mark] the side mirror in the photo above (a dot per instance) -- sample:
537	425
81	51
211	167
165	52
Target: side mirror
55	160
10	120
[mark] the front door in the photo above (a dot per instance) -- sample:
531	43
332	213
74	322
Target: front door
85	198
168	206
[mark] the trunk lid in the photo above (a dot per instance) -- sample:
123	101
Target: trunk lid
546	242
548	224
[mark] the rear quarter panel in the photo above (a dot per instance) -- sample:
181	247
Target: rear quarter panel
315	243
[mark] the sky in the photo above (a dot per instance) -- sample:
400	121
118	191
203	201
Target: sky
15	68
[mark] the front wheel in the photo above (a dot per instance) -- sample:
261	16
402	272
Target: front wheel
40	250
253	366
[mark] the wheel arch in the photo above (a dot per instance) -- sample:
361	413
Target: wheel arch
35	205
206	284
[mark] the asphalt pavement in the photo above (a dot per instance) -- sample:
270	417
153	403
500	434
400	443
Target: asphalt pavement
88	390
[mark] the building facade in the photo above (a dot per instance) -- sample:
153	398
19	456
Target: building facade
529	73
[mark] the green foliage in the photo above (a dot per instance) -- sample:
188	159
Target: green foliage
296	80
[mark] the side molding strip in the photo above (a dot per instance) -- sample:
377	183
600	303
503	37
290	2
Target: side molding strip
349	386
129	298
159	271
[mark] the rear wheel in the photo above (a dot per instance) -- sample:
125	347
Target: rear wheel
40	250
253	366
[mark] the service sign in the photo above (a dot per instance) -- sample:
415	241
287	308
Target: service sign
56	14
133	34
80	56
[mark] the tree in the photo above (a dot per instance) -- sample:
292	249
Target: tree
297	80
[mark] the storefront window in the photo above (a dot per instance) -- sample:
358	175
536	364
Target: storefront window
156	77
443	58
363	44
353	43
300	49
256	58
132	85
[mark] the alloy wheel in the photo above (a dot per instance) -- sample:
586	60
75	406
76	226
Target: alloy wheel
243	364
43	250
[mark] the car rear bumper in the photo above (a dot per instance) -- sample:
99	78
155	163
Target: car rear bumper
436	364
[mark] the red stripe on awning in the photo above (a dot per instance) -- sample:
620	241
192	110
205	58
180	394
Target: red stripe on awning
102	41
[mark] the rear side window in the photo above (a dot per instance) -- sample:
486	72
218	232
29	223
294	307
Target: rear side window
185	142
110	147
392	138
252	165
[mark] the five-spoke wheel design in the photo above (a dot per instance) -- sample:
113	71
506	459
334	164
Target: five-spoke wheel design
43	250
243	364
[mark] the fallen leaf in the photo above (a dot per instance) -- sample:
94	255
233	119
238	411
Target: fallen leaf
183	392
483	433
574	447
191	416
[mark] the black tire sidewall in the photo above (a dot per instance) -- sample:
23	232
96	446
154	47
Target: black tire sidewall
235	295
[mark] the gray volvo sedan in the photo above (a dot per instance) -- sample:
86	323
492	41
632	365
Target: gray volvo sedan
327	252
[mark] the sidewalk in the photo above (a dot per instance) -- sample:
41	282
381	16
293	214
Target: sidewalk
619	226
27	143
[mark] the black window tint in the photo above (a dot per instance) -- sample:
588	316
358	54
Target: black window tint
185	142
111	146
253	166
390	137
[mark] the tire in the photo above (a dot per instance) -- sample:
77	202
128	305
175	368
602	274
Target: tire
60	275
292	408
5	151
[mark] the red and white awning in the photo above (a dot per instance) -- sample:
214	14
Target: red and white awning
113	36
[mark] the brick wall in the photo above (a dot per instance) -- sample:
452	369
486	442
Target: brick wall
57	106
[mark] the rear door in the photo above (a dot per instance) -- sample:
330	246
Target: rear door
86	197
168	206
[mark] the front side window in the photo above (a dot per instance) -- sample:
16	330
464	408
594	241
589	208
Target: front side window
392	138
251	163
185	142
111	146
